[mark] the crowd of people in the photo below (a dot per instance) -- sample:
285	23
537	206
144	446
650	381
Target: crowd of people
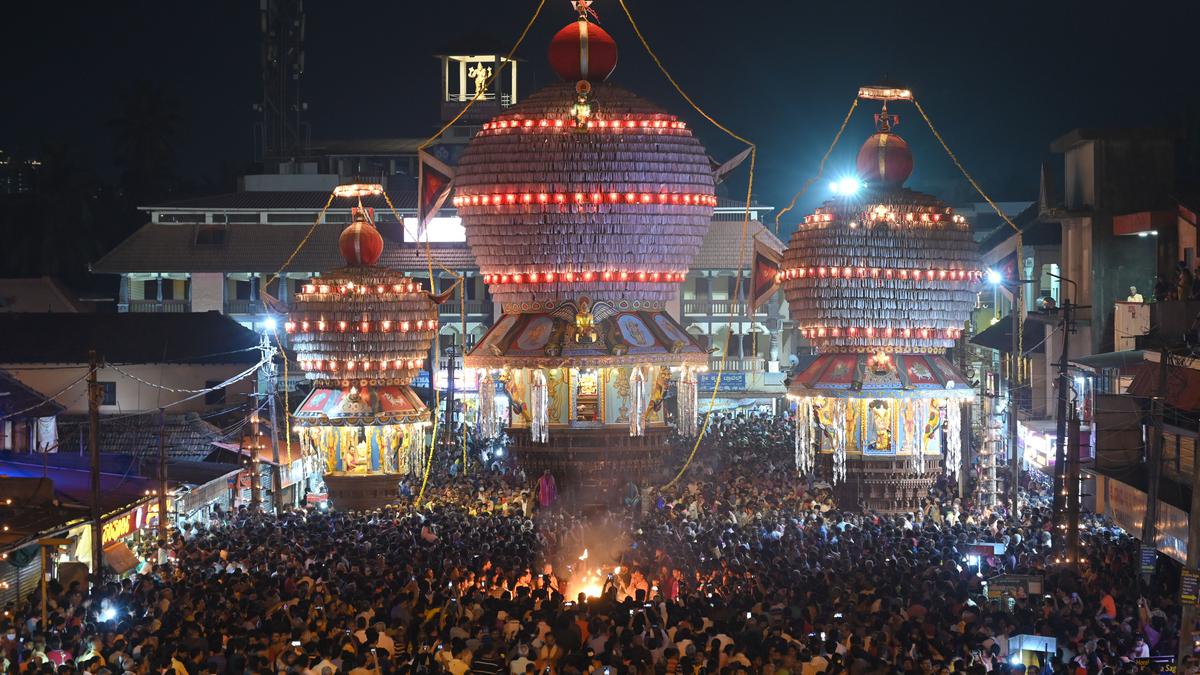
741	566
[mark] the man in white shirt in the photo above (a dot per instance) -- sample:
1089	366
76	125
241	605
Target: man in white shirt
517	667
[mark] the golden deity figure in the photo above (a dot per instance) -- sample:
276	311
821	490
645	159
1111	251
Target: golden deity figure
585	322
881	419
480	73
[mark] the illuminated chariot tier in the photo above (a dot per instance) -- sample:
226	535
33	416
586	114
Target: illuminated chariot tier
882	282
584	207
361	333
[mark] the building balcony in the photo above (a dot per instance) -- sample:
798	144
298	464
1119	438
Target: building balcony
744	364
475	308
244	307
157	306
1151	325
718	308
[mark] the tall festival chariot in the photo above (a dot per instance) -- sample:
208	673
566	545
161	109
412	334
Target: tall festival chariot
584	206
881	281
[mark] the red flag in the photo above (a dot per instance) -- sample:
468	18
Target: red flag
434	181
764	274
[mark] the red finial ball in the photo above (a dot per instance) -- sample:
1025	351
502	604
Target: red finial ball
583	51
360	243
885	160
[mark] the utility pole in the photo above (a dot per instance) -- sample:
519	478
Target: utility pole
1154	454
1071	474
254	446
276	471
162	475
452	353
1064	402
1187	624
1014	381
95	397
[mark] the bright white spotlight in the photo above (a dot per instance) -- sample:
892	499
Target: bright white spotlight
107	614
270	323
846	187
994	277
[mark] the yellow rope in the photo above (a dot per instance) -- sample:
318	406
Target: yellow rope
1015	368
820	167
1018	265
488	85
670	79
741	245
963	169
428	456
737	286
307	235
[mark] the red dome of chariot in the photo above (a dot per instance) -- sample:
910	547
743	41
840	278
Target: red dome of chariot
583	51
360	243
884	159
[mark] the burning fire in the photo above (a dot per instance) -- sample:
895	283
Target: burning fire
589	582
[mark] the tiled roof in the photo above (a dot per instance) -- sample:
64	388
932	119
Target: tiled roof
1035	232
203	337
739	203
720	248
186	437
161	247
282	199
368	146
15	396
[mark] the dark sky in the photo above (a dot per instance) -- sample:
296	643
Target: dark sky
1001	79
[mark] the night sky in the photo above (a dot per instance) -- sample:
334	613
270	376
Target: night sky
1001	79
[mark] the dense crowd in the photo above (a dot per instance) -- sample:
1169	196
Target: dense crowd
739	567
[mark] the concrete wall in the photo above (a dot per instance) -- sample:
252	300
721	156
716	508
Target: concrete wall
1079	179
133	396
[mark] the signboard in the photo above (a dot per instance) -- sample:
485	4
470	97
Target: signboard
1161	664
127	523
729	381
421	379
1149	559
1189	587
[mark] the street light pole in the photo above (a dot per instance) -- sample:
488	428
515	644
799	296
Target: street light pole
1014	381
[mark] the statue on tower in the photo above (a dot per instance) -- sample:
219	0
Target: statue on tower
480	73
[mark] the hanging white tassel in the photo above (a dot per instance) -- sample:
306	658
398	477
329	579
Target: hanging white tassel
539	408
953	437
837	413
637	402
920	413
487	405
804	440
687	400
